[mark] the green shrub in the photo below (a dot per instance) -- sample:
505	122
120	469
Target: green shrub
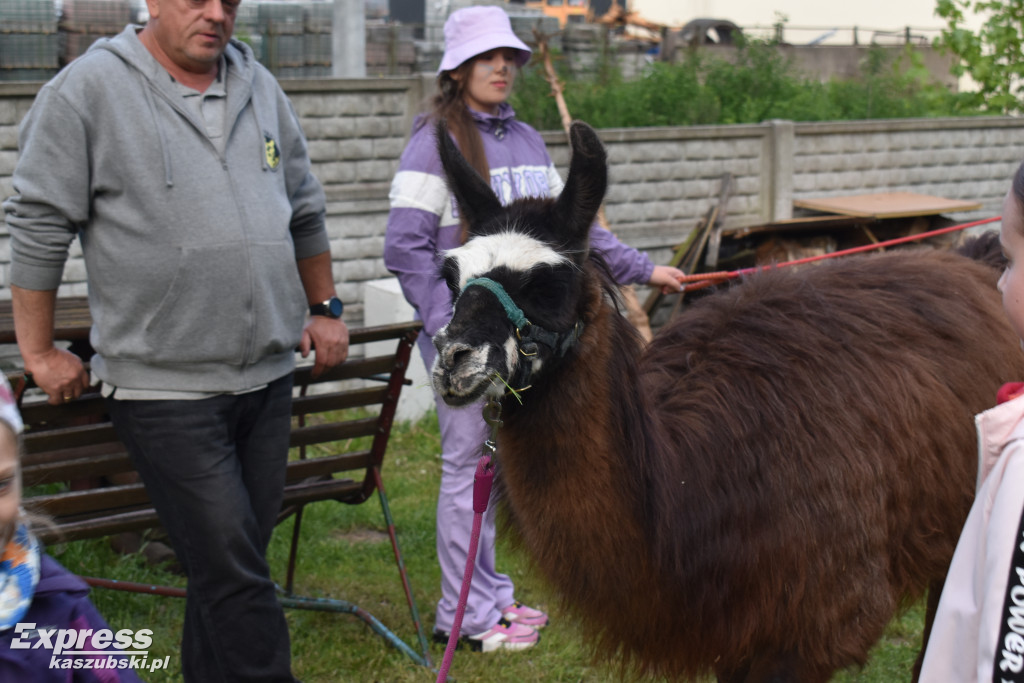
758	84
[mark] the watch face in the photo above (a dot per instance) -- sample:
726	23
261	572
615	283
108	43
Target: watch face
335	307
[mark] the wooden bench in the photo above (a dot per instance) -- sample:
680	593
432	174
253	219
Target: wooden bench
74	446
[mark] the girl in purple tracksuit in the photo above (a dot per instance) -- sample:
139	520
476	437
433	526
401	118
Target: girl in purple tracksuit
49	630
481	59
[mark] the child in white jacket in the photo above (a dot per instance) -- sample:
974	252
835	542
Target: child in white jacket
978	632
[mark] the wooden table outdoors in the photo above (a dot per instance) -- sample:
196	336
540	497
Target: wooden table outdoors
844	221
886	205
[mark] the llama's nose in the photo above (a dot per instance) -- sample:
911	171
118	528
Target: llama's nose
454	354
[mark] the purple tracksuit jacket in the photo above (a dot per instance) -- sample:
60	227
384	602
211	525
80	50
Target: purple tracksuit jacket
61	601
422	224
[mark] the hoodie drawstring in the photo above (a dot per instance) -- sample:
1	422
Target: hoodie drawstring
254	109
168	175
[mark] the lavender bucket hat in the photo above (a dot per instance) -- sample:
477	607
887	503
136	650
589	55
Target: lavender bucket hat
474	30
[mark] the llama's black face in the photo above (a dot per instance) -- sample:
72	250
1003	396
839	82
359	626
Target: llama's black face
529	255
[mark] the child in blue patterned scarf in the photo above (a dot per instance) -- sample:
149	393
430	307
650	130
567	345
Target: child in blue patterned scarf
44	608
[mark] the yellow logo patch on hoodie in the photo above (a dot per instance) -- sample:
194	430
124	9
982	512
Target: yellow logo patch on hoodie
272	152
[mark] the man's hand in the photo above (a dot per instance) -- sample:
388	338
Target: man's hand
328	339
59	373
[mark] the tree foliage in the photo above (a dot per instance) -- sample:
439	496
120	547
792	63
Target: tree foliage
993	56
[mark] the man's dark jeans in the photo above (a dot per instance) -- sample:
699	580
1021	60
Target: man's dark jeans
214	469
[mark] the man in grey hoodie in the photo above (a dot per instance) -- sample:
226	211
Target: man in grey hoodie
180	164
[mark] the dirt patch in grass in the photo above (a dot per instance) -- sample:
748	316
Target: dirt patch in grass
361	535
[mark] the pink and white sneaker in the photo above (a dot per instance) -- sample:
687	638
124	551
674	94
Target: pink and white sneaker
518	613
504	635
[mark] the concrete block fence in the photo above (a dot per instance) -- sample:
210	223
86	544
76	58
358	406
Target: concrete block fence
662	180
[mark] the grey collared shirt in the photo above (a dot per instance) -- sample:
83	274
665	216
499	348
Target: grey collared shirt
209	106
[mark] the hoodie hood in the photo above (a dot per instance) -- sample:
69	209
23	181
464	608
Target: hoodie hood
239	71
997	427
169	216
494	124
128	47
487	123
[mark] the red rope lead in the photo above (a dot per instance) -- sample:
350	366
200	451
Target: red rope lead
702	280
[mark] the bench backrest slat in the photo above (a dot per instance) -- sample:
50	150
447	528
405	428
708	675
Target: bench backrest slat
58	438
100	464
333	431
356	398
73	449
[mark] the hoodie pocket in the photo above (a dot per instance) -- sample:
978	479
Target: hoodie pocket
205	314
280	299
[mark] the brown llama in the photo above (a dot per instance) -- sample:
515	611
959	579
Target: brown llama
757	492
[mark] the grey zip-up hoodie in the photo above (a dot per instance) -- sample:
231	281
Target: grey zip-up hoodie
191	255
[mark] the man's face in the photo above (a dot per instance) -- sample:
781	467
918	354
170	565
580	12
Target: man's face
193	33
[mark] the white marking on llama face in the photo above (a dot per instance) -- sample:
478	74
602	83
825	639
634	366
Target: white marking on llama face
464	381
511	354
462	374
513	250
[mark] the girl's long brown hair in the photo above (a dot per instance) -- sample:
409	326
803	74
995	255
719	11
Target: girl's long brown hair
450	105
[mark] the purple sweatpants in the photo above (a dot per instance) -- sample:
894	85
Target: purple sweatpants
463	432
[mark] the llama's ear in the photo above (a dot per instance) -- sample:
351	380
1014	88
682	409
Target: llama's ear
474	196
588	179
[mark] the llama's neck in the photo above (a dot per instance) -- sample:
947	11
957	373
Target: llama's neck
575	461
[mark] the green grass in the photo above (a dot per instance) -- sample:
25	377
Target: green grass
345	554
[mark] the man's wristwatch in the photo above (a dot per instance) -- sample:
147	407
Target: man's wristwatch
332	308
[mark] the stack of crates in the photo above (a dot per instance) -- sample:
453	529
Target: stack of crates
524	21
282	25
247	28
319	17
83	21
390	50
28	40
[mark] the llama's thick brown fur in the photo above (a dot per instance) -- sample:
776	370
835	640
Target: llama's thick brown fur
760	490
785	466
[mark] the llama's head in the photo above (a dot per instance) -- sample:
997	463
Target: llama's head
517	281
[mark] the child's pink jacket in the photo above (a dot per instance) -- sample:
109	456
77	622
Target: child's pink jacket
966	643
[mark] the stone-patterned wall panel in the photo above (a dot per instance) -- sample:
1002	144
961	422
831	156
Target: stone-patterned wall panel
968	159
662	180
14	104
